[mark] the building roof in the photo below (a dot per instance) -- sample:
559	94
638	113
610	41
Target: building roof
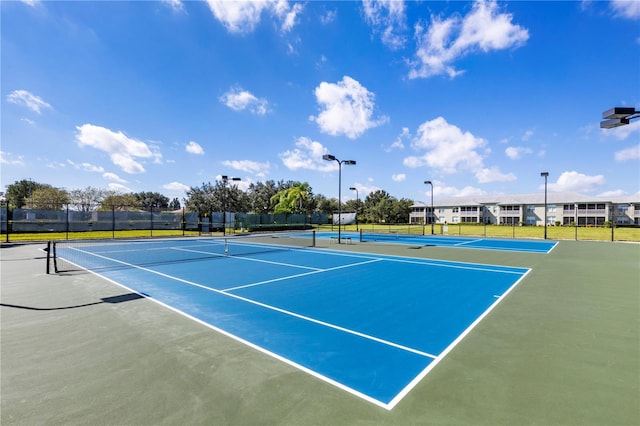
533	198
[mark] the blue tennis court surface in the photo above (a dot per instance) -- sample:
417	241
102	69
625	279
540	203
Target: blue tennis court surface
529	246
372	325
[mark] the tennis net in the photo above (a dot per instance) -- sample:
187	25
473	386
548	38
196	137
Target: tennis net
96	255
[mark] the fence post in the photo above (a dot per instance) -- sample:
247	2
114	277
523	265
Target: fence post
67	223
113	221
612	236
7	219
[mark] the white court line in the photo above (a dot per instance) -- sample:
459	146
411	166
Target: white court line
468	242
449	348
247	259
273	308
301	275
456	265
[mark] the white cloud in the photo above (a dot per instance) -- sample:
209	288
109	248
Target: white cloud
387	17
576	182
440	189
122	150
493	174
347	108
243	16
308	155
398	143
253	167
290	15
238	100
517	152
175	5
400	177
175	186
629	9
328	17
527	135
29	100
448	148
632	153
117	187
113	177
364	190
9	159
56	165
194	148
614	193
484	29
87	167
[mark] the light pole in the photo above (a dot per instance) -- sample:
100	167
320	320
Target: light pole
545	175
353	188
329	157
428	182
225	179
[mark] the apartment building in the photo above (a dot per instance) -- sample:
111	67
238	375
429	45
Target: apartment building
563	208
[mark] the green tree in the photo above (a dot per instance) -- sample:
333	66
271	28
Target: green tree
401	210
260	195
152	200
174	204
87	199
216	198
120	202
293	199
19	192
324	204
201	199
49	198
377	206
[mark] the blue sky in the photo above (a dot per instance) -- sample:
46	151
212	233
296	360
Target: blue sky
478	97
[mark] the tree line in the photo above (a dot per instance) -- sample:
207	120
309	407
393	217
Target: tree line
269	197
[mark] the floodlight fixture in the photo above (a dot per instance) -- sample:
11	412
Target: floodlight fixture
618	116
328	157
619	112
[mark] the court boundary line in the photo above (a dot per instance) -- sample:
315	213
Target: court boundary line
435	359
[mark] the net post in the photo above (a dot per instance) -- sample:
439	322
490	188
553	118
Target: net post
55	257
313	238
48	256
361	235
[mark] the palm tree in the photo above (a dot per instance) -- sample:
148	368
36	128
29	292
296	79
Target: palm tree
292	199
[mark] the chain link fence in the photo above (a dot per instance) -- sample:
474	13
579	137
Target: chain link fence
67	222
